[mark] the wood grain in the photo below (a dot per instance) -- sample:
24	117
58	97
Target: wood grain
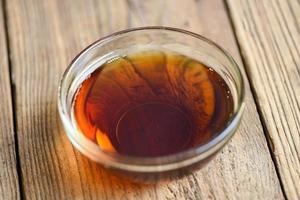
9	186
45	35
269	35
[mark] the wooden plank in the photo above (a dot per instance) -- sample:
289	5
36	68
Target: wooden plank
45	35
269	36
9	186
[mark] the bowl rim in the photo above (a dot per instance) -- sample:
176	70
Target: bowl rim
151	164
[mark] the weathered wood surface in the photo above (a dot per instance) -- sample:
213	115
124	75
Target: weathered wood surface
9	186
269	36
45	35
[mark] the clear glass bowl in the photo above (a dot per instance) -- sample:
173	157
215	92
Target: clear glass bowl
176	40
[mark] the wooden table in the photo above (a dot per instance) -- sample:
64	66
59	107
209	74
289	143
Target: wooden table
38	38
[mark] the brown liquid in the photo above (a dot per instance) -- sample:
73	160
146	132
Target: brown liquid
152	104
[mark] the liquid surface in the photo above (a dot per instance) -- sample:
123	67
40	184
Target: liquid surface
152	103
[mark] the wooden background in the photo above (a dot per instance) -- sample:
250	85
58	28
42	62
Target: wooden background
38	38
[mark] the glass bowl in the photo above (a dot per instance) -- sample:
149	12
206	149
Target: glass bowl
176	40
